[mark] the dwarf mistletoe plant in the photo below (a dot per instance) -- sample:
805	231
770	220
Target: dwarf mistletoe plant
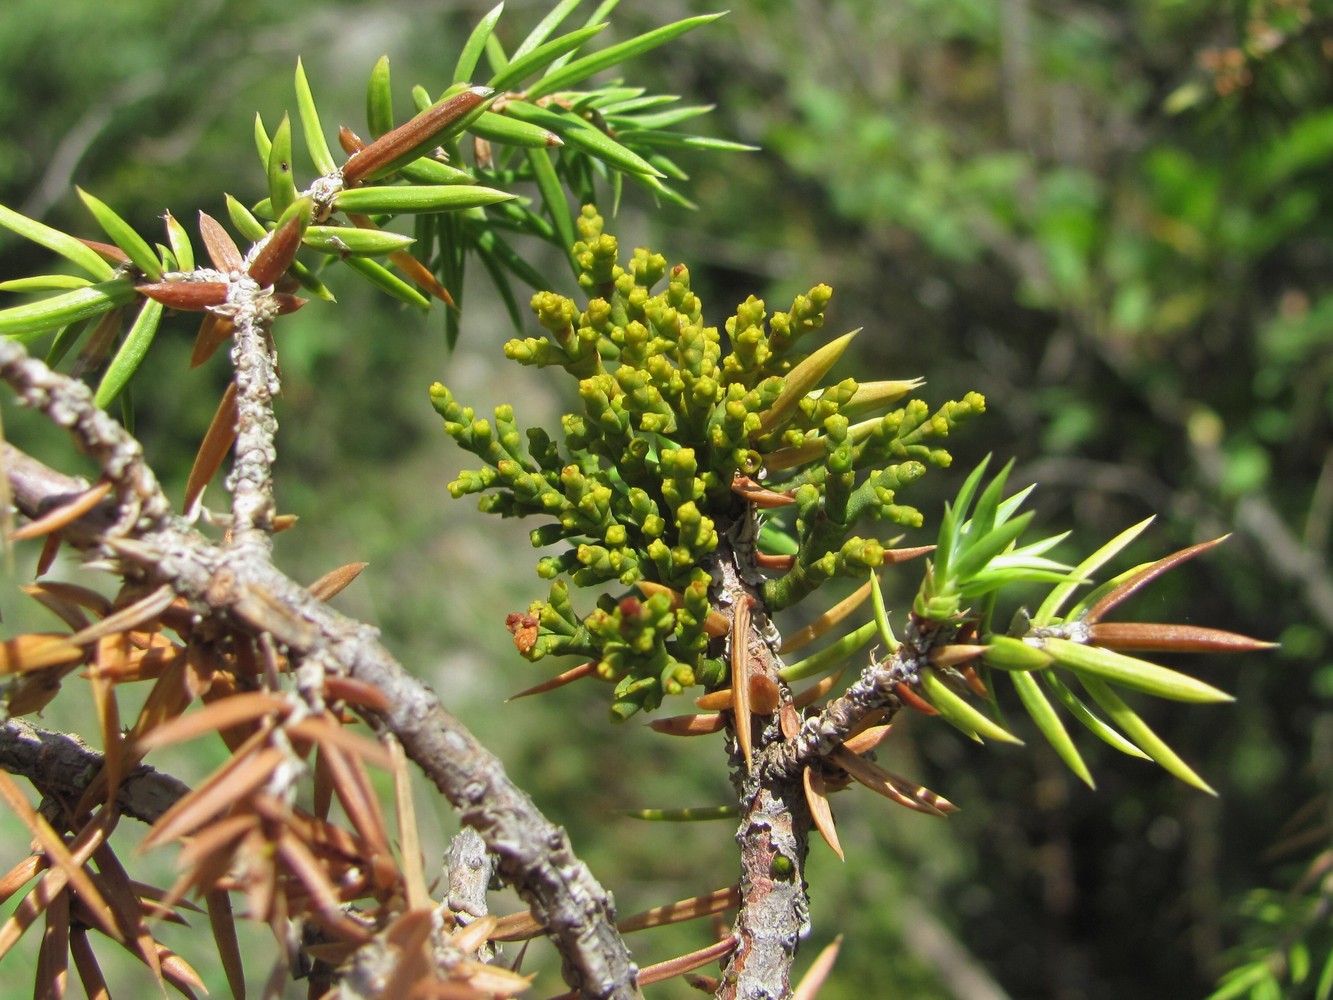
710	481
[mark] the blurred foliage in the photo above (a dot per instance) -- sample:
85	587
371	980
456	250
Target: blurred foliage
1112	219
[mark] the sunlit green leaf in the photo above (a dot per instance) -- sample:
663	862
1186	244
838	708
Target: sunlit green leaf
131	353
579	134
281	179
475	45
830	656
580	69
315	143
1090	720
58	242
523	65
512	132
956	709
553	197
35	318
1050	607
45	283
387	281
123	235
1139	731
1044	715
436	198
351	240
379	99
539	34
1131	672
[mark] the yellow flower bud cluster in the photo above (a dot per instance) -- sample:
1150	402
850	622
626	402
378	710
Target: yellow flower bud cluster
673	414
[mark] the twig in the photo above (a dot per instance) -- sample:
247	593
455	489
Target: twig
470	867
251	479
61	766
774	911
69	404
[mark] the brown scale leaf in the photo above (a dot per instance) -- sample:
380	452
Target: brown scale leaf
352	786
170	695
520	926
817	690
558	681
891	786
260	881
740	679
33	691
472	937
213	450
355	692
813	980
332	583
328	907
279	252
207	857
144	664
894	556
325	729
760	496
223	925
90	973
410	134
872	718
222	249
409	843
60	595
63	515
37	651
410	934
109	252
63	858
789	721
111	656
50	549
185	296
21	874
816	797
145	609
687	963
908	696
214	331
409	265
954	654
826	621
243	707
487	980
349	140
714	701
1151	637
53	963
693	908
98	344
178	972
765	696
867	740
1145	576
231	783
690	725
128	911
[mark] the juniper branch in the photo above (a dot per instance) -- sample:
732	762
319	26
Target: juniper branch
241	587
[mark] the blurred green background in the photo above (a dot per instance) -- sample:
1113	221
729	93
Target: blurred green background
1110	218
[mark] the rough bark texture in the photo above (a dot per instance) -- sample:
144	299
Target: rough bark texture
775	823
62	766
